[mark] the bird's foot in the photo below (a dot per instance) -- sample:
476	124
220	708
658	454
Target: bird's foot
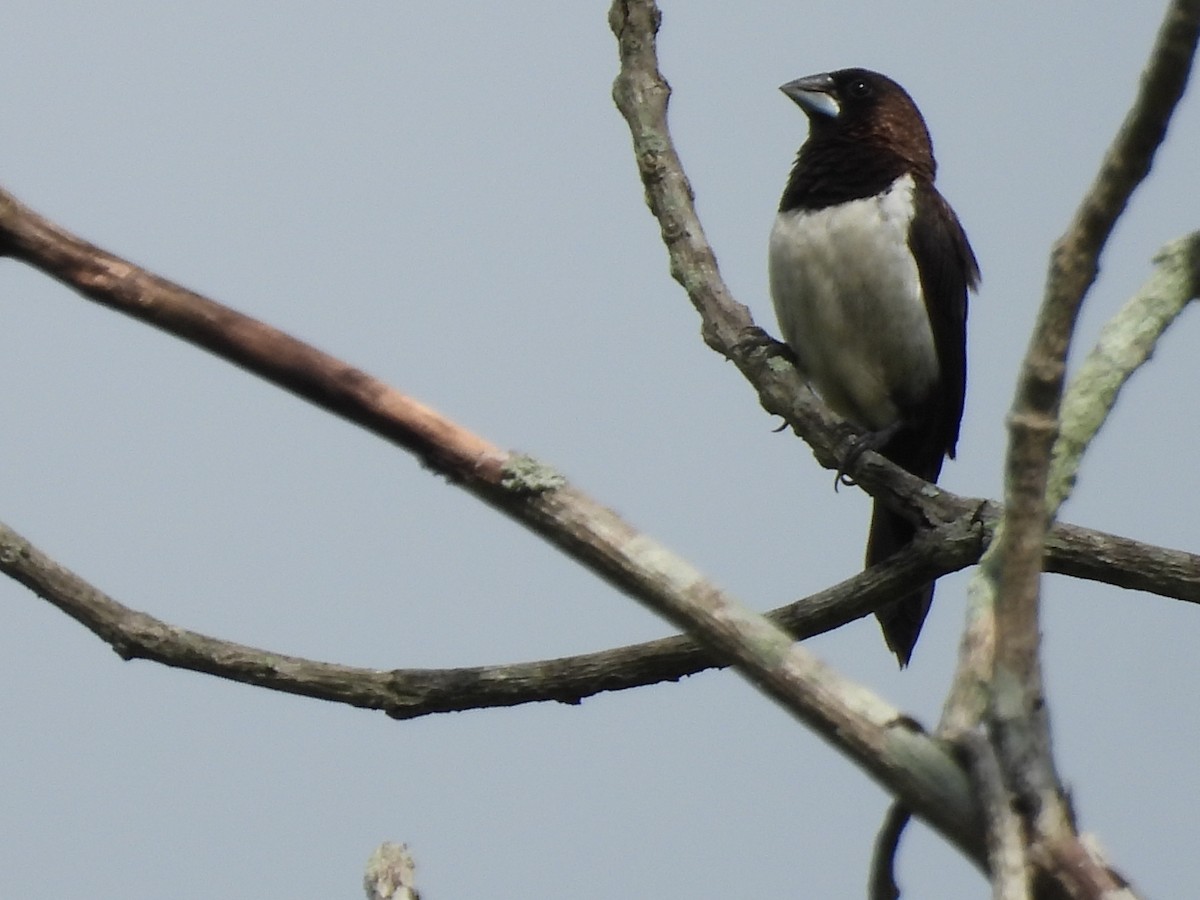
860	444
754	338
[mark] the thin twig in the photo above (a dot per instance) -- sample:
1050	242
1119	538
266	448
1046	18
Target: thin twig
1125	344
882	882
411	693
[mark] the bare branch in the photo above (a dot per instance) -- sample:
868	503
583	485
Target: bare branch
1018	713
411	693
641	94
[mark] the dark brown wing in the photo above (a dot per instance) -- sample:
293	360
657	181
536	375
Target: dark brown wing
948	271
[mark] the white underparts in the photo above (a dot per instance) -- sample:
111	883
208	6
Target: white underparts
848	298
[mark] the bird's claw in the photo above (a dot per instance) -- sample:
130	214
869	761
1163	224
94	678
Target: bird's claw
841	479
754	338
860	444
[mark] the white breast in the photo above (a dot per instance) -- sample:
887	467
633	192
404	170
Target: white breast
848	298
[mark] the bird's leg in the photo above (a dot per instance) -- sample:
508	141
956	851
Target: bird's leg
860	444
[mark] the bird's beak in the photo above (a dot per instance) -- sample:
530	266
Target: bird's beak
814	94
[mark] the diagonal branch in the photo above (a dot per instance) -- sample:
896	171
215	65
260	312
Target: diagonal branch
641	95
266	351
909	763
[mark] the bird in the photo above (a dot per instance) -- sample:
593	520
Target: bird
869	271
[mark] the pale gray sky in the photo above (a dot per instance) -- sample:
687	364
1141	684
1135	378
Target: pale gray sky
444	195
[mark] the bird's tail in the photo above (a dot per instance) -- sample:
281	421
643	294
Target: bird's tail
902	619
890	532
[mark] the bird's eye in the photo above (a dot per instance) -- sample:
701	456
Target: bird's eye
860	89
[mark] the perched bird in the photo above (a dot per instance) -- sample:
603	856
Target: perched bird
869	273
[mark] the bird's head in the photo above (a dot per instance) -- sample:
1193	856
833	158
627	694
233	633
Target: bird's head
858	105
